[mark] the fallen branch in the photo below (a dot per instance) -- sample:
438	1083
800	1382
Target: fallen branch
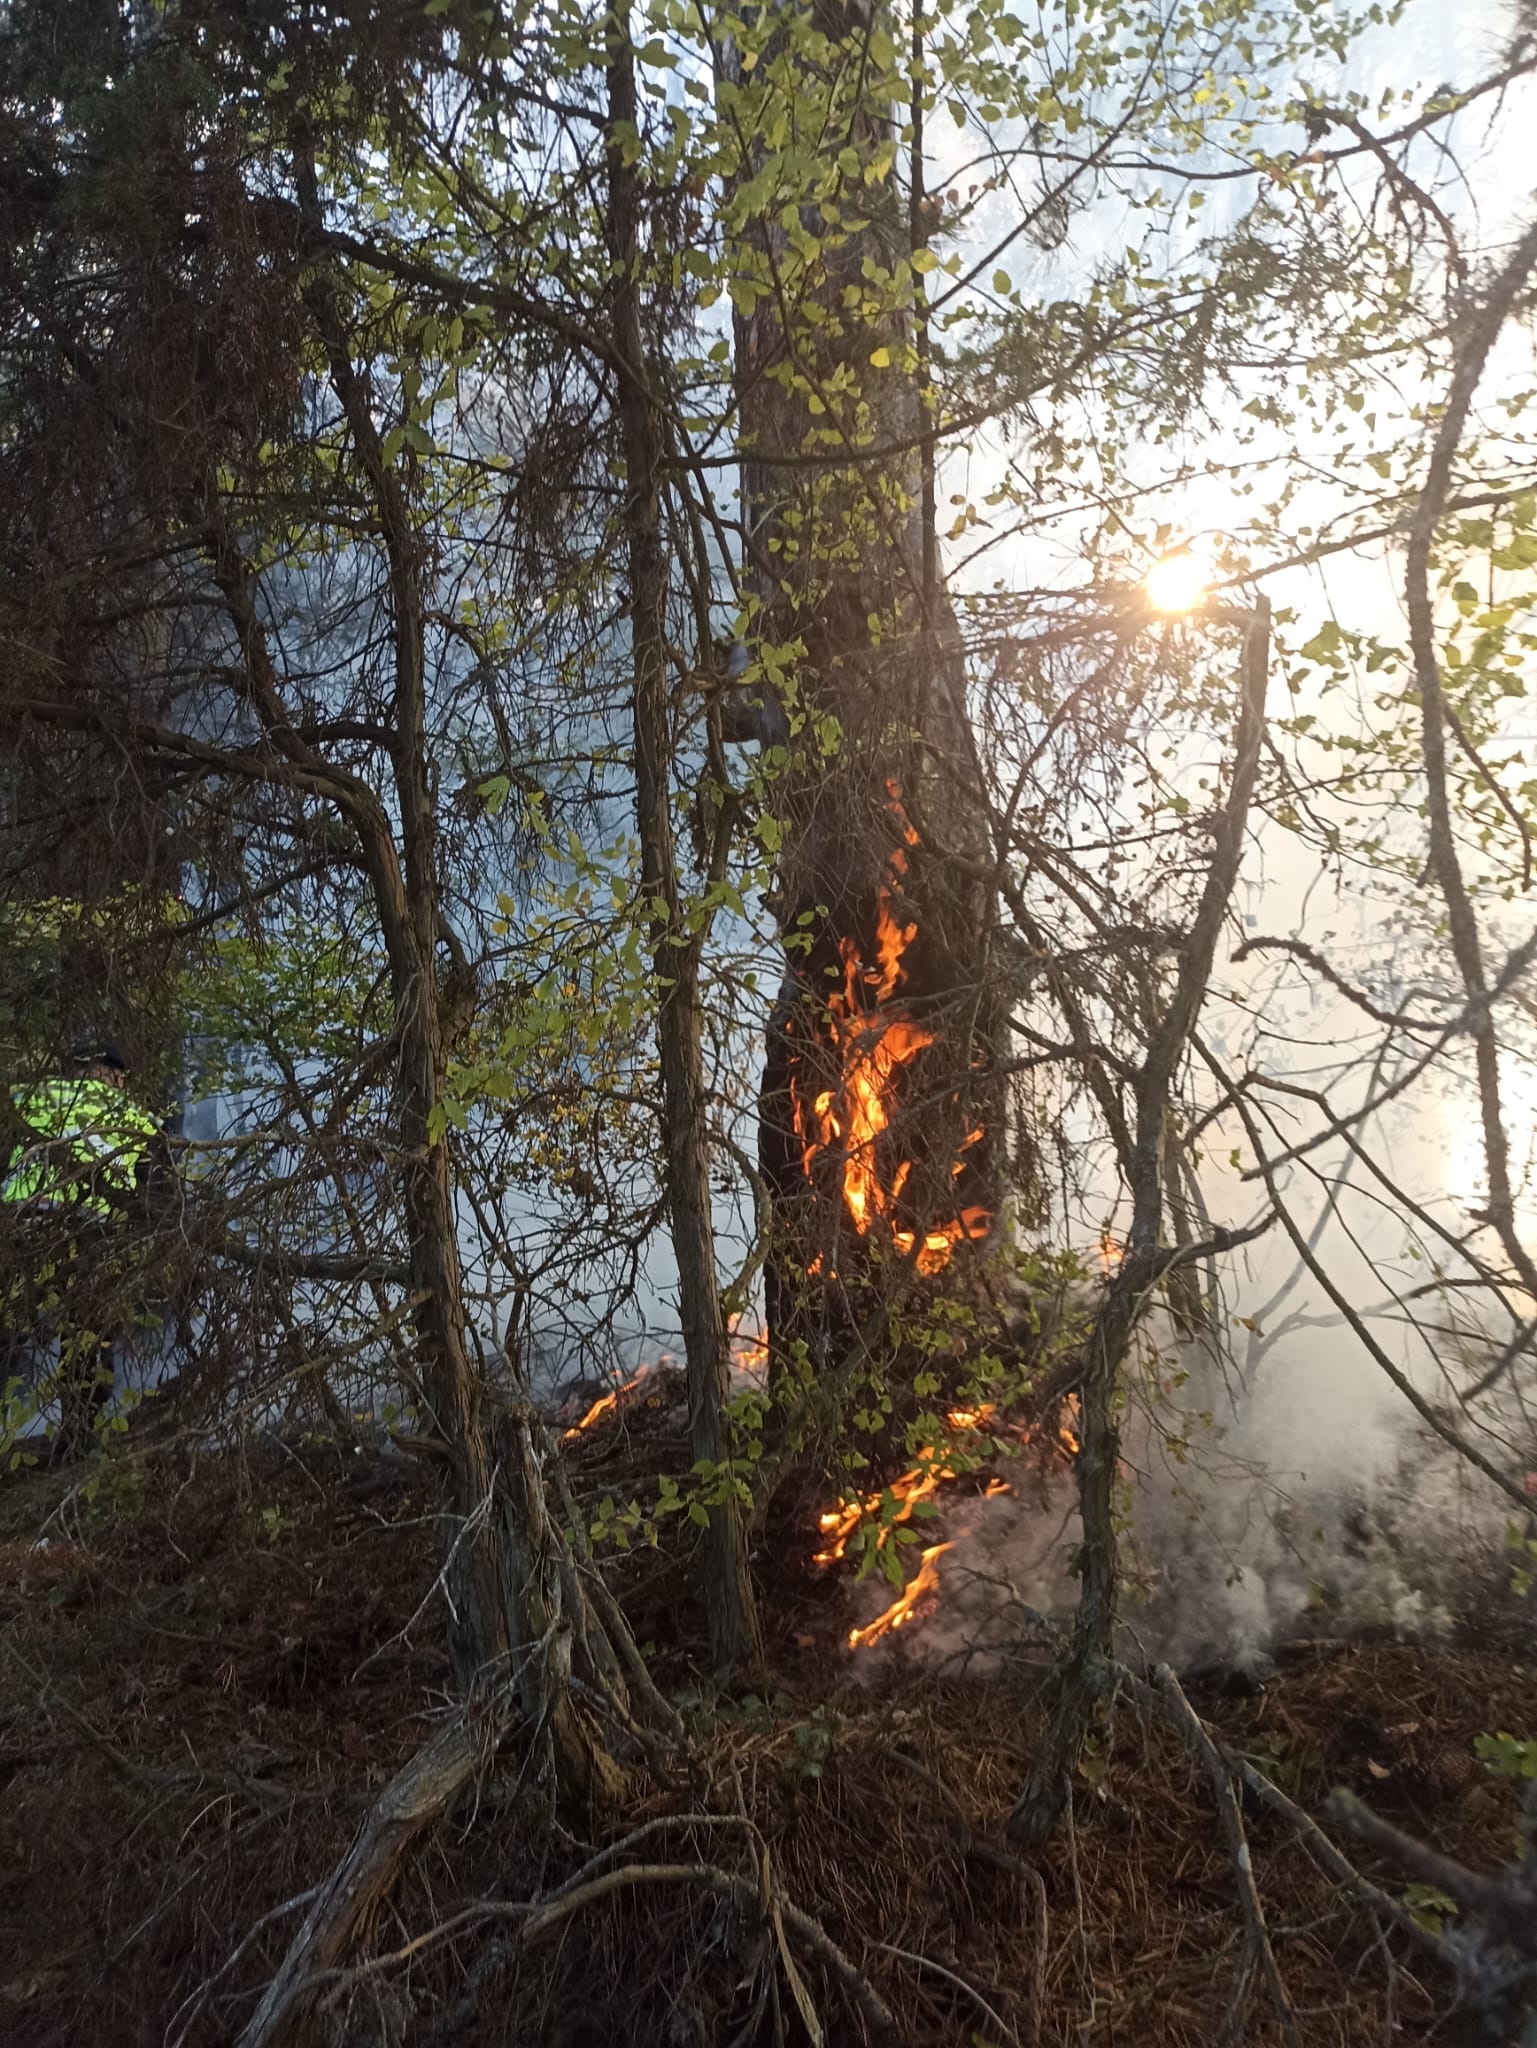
424	1790
195	2004
1493	1945
647	1831
1042	1951
1323	1851
1339	1866
1257	1951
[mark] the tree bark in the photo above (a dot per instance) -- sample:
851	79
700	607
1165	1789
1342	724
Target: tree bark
676	947
502	1569
418	1795
837	428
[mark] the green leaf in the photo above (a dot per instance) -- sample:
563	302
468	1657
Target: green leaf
1324	643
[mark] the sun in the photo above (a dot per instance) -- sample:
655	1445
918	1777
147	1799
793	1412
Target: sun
1178	583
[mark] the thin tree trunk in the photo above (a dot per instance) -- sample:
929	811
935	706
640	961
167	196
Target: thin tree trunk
1089	1670
1480	330
503	1569
676	948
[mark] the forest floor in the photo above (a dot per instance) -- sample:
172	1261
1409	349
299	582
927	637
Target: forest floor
209	1670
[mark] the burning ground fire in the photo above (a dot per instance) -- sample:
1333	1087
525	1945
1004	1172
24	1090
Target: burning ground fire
875	1041
920	1484
749	1358
908	1491
869	1027
608	1404
902	1610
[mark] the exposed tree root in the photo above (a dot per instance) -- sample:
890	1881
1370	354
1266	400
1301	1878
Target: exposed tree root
787	1919
562	1685
415	1797
757	1898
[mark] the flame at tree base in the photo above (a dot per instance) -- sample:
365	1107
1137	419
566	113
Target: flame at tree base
920	1484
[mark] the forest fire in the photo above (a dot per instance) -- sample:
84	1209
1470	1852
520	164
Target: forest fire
905	1609
921	1483
749	1347
839	1523
749	1352
607	1404
875	1041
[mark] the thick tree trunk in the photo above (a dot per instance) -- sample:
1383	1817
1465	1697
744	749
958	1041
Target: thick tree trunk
685	1107
885	835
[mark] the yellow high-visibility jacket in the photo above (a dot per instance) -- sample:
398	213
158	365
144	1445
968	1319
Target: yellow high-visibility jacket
88	1139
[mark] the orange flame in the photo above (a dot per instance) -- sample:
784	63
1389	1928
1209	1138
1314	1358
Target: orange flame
606	1404
1067	1436
971	1418
905	1608
923	1480
749	1346
873	1050
839	1523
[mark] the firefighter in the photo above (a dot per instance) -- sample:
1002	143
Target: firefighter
71	1189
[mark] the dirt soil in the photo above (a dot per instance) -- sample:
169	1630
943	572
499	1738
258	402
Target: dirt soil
208	1670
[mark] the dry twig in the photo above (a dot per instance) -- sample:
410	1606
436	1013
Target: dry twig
954	1977
1256	1952
808	1933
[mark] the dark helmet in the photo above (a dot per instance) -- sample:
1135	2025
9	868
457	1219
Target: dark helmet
97	1052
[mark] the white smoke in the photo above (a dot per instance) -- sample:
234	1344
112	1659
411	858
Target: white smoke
1309	1500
